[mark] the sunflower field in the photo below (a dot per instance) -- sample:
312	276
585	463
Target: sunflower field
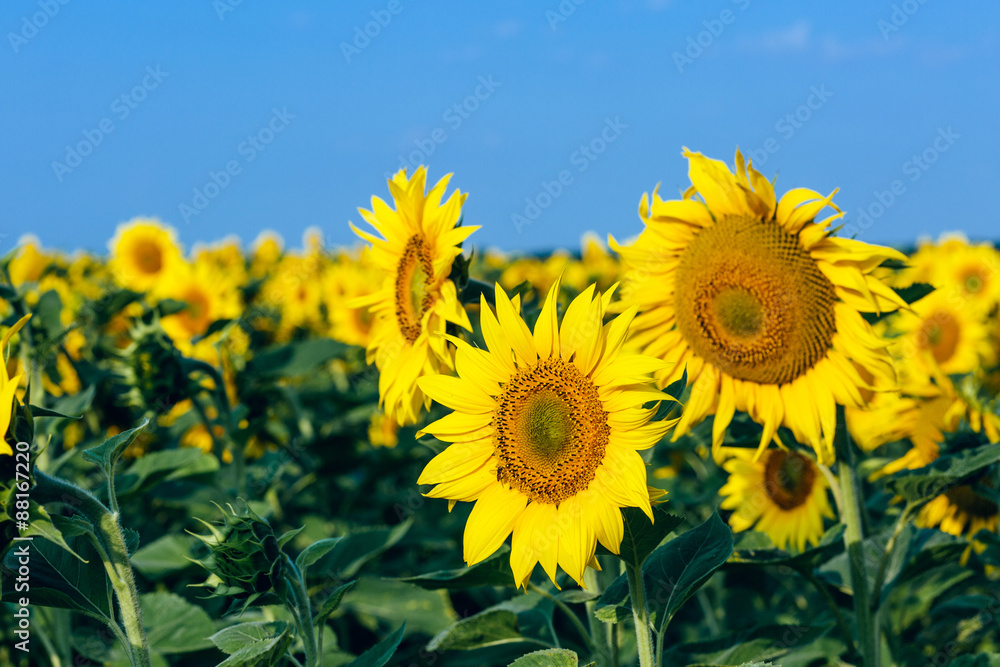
740	438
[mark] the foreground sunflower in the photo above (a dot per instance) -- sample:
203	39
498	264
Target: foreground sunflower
783	495
416	299
758	302
546	432
143	252
8	386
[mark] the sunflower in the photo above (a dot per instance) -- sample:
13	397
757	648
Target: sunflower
783	495
143	252
350	277
8	386
208	296
416	300
546	430
760	303
968	273
942	332
961	510
29	263
383	431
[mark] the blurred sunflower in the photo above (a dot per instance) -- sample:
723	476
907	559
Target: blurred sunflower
952	264
29	263
758	302
143	252
209	295
943	332
546	430
344	281
8	385
416	300
783	495
962	511
383	431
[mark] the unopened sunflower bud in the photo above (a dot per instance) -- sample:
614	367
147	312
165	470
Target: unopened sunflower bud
245	557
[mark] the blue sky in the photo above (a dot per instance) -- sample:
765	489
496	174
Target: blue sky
230	118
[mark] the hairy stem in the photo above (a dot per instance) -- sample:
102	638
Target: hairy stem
109	533
643	635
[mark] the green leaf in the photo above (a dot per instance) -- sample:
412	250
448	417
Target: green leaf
487	628
613	605
43	525
380	654
395	602
289	536
765	642
677	569
754	549
295	358
164	556
58	579
550	657
315	551
75	405
494	571
331	603
169	464
357	548
37	411
264	653
641	537
174	625
945	472
108	452
235	637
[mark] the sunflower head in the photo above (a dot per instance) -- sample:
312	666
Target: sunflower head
758	301
940	332
546	429
416	299
143	252
783	495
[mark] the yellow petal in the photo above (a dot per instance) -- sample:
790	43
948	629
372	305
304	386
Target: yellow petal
491	521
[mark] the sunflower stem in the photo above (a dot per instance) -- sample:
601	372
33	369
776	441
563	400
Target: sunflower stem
850	515
109	533
643	635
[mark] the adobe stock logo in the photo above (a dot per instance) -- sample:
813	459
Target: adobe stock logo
31	25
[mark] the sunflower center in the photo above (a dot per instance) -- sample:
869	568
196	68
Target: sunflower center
752	302
739	312
974	280
788	478
550	432
970	502
148	257
414	283
196	316
939	334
